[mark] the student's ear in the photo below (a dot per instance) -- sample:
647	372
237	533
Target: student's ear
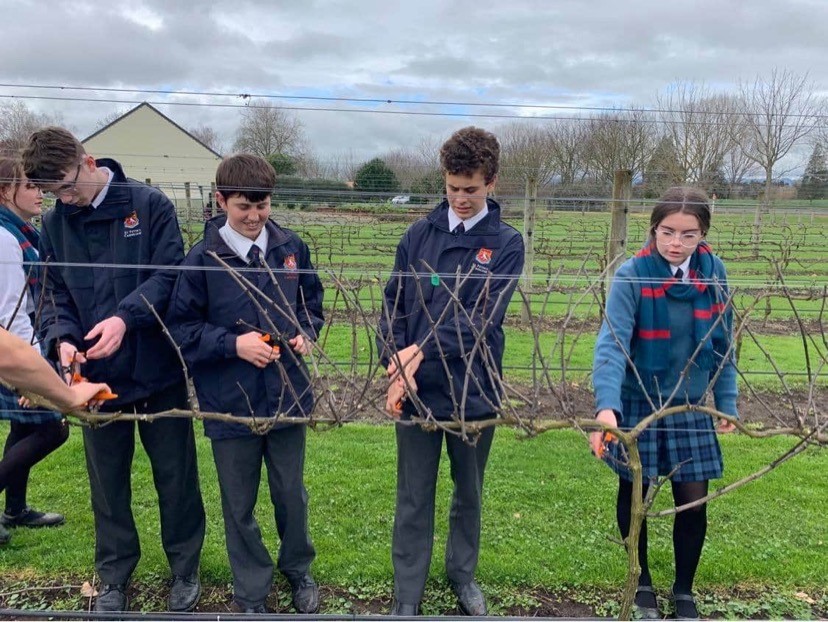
220	201
89	162
491	185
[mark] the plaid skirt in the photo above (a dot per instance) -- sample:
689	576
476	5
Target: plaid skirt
12	411
688	437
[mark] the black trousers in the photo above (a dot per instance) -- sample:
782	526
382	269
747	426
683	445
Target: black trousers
26	445
418	459
239	468
170	445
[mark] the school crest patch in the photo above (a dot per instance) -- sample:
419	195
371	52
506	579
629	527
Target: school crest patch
290	262
484	256
131	223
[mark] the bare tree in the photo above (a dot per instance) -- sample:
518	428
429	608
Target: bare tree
109	118
778	112
267	129
699	124
17	122
622	140
527	155
208	136
567	143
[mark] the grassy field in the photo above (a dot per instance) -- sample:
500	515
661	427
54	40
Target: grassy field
549	512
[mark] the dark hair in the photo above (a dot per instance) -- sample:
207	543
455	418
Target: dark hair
247	175
469	150
685	200
49	153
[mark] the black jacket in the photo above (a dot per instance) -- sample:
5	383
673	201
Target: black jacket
135	225
489	260
204	318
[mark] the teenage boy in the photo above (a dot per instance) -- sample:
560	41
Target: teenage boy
117	229
463	233
241	365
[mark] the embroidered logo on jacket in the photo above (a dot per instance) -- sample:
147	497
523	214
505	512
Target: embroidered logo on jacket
290	262
484	255
130	224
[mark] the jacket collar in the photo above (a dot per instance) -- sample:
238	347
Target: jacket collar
488	226
214	242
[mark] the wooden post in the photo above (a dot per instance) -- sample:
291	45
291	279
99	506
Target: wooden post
529	209
188	200
617	242
213	203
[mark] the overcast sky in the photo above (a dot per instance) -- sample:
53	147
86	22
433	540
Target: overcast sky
521	52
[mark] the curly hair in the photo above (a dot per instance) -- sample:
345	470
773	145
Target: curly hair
469	150
49	153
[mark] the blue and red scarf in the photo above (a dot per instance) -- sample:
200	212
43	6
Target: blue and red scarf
706	288
28	238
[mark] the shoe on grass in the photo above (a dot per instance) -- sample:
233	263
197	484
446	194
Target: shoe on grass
29	517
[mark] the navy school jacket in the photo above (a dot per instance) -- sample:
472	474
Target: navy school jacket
204	316
135	225
492	252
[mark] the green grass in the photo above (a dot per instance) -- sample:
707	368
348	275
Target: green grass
548	513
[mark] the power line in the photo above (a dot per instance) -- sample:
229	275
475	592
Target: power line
372	100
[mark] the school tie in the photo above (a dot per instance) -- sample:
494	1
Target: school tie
679	275
254	256
459	229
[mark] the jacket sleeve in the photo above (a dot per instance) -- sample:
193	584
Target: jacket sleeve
609	364
725	389
309	297
167	250
199	340
457	333
59	317
392	325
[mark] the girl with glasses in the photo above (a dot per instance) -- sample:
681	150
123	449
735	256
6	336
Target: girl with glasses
668	310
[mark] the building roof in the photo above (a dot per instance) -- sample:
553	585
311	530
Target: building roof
160	114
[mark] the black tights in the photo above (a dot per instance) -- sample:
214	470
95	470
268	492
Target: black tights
689	530
26	445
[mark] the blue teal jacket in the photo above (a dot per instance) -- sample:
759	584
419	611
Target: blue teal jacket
124	246
209	310
489	261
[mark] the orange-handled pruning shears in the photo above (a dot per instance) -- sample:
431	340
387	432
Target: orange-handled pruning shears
606	439
74	367
266	338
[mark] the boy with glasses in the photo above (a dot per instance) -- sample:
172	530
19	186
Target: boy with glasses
96	316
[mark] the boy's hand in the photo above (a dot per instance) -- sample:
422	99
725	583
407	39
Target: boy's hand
251	348
83	394
70	358
394	399
408	360
300	345
111	332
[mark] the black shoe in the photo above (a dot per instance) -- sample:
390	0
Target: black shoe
184	593
29	517
404	609
685	606
305	594
470	598
239	608
112	597
646	605
5	535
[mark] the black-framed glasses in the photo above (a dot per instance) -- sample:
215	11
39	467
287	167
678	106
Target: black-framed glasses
70	188
687	239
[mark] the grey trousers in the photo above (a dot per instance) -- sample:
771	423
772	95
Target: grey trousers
239	467
418	459
170	446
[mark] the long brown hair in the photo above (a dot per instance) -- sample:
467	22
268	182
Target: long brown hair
11	174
